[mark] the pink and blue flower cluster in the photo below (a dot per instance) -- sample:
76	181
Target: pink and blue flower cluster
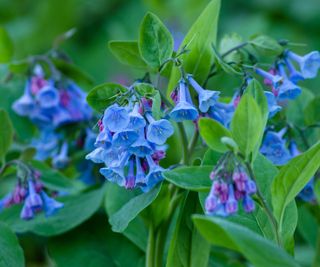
131	142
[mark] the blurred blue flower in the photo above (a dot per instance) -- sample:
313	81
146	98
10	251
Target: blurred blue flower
274	147
273	107
184	110
287	90
61	160
104	139
25	105
207	98
294	75
50	205
46	144
48	96
275	80
309	64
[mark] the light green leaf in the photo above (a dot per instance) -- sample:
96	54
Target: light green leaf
187	246
247	126
121	219
155	41
11	254
77	209
6	46
194	178
252	246
145	89
103	95
199	42
291	180
156	106
265	45
127	52
212	131
6	134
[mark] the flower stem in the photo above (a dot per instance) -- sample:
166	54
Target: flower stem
184	143
150	248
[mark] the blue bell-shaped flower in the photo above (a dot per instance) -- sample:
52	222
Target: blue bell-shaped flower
154	176
136	119
273	107
158	131
141	147
276	80
287	90
183	110
48	96
61	160
50	205
294	75
116	118
25	105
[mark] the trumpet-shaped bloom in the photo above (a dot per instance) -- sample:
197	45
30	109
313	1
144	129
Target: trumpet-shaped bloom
48	96
136	119
103	139
141	179
131	178
287	90
50	205
25	105
206	98
158	131
309	64
26	213
154	176
124	138
116	118
61	160
294	75
33	199
275	80
184	110
273	107
141	147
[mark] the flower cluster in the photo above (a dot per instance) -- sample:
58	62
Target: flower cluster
231	184
32	194
50	104
283	78
131	143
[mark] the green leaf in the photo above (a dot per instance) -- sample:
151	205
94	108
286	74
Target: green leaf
131	209
295	108
6	46
77	209
266	45
103	95
115	198
51	178
11	254
311	112
229	41
73	72
211	157
307	225
20	66
212	131
291	180
93	244
156	106
145	89
194	178
6	134
254	247
187	246
127	52
155	41
247	126
198	41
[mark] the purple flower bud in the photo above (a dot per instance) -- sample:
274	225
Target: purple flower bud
26	212
211	203
231	204
251	187
131	179
33	197
248	204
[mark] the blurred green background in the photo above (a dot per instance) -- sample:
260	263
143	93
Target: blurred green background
33	25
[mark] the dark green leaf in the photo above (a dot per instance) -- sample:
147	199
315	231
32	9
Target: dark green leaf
255	248
291	180
131	209
11	254
6	46
194	178
266	45
212	132
77	209
127	52
103	95
247	126
187	246
155	41
6	134
199	42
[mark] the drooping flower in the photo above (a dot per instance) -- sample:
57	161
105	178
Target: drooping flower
116	118
50	205
231	184
158	131
184	110
275	80
294	75
61	160
206	98
25	105
309	64
48	96
273	107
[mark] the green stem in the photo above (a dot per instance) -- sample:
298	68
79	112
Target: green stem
192	145
234	49
184	142
265	205
150	248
